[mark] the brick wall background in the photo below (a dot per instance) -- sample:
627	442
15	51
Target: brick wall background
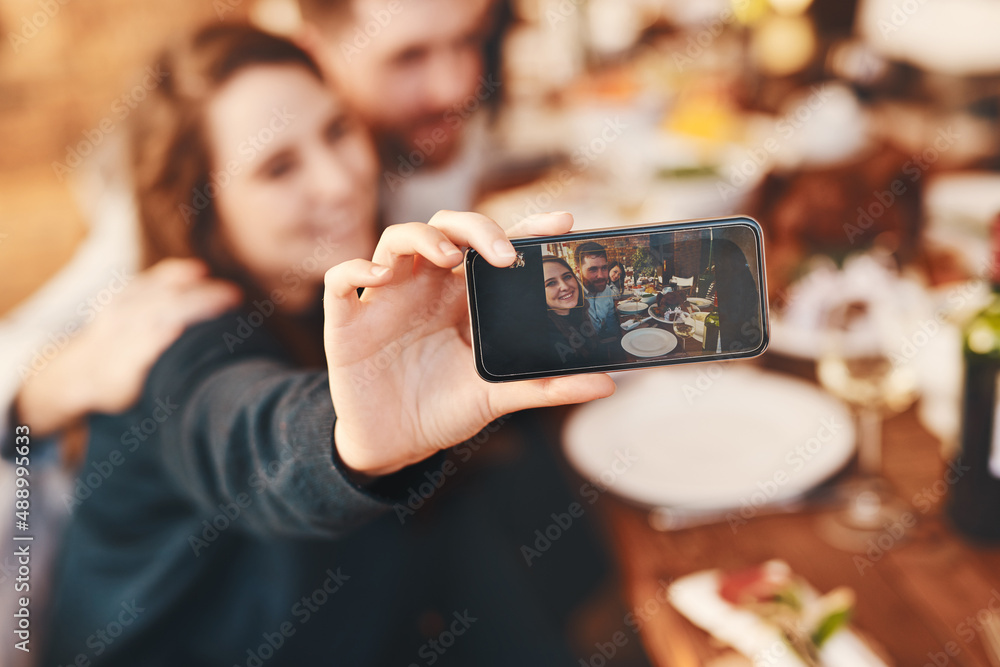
684	255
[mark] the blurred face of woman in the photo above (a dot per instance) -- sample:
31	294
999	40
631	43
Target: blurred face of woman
561	289
615	274
301	191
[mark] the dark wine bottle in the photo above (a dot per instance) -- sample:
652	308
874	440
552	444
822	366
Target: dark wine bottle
712	341
974	474
705	283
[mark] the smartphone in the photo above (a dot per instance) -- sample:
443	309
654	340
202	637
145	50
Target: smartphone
620	299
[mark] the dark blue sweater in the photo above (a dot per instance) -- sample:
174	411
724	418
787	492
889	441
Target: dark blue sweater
213	524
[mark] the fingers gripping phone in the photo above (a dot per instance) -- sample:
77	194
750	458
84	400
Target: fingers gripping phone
620	299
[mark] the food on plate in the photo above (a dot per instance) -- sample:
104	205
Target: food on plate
805	619
670	300
658	312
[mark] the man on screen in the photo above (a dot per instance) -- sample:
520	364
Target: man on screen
591	261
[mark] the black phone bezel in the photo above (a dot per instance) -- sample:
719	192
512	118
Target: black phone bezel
741	220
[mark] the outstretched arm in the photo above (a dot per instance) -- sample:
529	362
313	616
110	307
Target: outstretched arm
256	432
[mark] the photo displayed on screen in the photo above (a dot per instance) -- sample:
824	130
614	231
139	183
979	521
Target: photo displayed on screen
622	300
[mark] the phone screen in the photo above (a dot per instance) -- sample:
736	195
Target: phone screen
620	299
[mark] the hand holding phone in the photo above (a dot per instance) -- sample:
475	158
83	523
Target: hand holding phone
620	299
399	360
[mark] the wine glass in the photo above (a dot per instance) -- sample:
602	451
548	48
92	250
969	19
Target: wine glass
683	323
862	365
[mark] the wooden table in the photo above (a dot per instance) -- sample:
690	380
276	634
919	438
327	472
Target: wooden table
915	597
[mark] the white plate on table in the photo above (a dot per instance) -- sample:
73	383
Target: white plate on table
649	342
662	317
632	307
710	437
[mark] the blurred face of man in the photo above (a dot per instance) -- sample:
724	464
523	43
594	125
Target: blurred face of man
594	273
407	67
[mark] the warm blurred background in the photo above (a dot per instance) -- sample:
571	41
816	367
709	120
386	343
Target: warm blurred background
705	86
75	61
864	128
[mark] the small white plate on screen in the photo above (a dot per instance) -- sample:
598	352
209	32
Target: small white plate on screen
632	307
649	342
710	437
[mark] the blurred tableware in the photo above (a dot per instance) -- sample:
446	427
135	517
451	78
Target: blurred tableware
862	364
739	438
697	597
959	209
798	329
947	36
684	326
666	519
700	303
836	131
649	342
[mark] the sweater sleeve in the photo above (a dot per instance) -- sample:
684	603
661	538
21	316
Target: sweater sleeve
244	427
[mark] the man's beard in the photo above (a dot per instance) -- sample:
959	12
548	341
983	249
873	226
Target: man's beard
401	151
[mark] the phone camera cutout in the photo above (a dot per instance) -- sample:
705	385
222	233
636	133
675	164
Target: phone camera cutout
519	262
